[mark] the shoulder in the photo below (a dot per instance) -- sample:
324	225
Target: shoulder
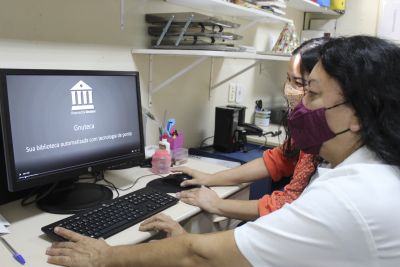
339	217
370	190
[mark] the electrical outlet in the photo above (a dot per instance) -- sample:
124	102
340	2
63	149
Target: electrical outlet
239	93
232	92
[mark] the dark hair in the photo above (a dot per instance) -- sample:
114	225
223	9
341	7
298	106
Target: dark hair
309	52
367	69
309	55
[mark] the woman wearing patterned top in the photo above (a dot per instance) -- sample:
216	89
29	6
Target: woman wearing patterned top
283	161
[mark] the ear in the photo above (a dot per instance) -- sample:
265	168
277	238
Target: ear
355	125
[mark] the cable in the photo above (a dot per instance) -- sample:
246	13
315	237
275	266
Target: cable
98	176
132	185
202	142
38	196
111	185
273	134
265	142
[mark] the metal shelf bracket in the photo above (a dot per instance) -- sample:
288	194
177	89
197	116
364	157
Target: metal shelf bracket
234	75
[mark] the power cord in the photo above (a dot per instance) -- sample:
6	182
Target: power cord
37	195
204	140
41	192
112	185
273	134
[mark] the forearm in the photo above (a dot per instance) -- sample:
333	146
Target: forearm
237	209
249	172
168	252
188	250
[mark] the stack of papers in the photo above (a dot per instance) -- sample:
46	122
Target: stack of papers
3	225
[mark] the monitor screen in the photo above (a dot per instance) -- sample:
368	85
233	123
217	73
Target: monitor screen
57	124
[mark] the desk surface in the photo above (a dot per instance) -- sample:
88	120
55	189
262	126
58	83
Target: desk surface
27	238
269	140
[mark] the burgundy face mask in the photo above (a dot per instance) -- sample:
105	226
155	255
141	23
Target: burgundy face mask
309	128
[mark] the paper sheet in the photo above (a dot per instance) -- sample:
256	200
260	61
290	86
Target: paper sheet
3	229
3	225
3	221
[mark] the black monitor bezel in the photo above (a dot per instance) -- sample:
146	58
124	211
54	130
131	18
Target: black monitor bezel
72	172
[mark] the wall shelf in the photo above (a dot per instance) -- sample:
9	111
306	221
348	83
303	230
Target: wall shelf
201	56
310	6
229	9
208	53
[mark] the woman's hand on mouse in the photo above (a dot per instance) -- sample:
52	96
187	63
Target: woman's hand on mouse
203	198
162	222
198	177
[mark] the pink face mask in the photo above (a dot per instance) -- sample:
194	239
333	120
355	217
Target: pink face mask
309	128
293	95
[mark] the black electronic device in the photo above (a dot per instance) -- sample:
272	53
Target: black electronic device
114	216
230	130
171	183
226	122
59	124
242	112
252	129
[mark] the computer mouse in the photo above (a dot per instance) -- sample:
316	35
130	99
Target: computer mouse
171	183
176	178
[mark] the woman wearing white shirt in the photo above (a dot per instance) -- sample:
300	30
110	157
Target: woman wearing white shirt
347	216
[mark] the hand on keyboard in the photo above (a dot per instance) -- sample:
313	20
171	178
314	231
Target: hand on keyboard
114	216
162	222
82	248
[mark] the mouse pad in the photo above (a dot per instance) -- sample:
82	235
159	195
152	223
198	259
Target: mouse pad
161	185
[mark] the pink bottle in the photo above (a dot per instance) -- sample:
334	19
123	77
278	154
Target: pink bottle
161	161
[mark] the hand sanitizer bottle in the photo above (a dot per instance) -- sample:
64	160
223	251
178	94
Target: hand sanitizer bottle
161	160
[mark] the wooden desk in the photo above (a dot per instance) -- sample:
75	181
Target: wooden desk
27	238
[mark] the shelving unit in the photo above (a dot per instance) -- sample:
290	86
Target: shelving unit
223	8
310	6
229	9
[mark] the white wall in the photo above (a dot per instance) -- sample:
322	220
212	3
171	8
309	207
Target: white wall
86	34
361	17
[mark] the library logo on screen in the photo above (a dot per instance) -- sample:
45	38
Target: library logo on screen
82	99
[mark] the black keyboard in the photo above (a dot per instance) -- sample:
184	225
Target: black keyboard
114	216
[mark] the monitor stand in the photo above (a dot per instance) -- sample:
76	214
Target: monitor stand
69	198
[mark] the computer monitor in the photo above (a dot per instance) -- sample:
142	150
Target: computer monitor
59	124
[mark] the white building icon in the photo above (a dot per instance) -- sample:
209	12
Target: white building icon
82	97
